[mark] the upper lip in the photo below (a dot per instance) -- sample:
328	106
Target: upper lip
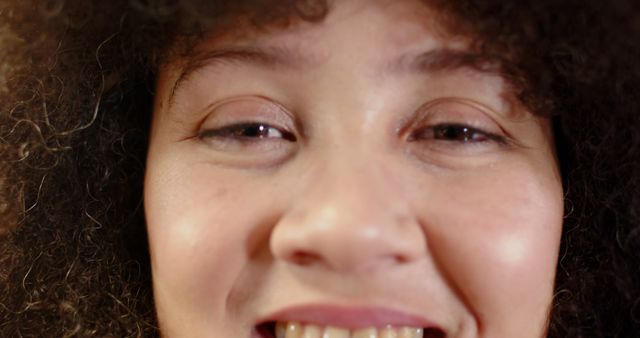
349	317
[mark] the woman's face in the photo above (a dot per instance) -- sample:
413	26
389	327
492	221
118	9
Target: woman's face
351	174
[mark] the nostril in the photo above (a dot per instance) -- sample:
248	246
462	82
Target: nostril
304	258
309	258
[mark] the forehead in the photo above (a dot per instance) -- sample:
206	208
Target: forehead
348	23
371	36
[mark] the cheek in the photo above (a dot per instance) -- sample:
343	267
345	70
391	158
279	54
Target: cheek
496	236
198	234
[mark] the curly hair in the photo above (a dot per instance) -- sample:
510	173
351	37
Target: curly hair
76	87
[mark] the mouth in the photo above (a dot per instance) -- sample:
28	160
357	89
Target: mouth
328	321
308	330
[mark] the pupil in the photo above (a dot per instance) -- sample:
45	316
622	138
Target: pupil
258	130
454	133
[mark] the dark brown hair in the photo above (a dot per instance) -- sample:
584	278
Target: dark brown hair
76	85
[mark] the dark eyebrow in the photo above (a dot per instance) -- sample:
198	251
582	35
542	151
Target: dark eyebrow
446	59
271	57
438	60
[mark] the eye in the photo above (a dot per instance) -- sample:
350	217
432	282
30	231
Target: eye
455	132
248	132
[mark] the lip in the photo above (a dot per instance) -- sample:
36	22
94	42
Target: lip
349	317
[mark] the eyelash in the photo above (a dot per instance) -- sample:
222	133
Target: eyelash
450	126
456	132
247	132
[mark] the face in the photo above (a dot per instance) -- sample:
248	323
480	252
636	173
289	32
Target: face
354	177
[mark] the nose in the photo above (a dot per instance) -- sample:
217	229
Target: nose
348	219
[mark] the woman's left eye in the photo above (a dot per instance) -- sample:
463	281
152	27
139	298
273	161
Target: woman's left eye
248	132
453	132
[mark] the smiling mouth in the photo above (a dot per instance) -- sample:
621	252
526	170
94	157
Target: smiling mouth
292	329
339	321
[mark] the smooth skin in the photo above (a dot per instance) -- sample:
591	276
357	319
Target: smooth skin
337	163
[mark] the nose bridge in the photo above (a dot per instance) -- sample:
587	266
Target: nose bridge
349	217
351	193
352	181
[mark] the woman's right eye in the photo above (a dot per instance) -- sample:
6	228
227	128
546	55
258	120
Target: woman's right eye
247	132
249	144
251	140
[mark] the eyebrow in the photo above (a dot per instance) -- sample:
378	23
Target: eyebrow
269	57
282	57
446	59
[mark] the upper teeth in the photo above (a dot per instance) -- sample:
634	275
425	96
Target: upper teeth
298	330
